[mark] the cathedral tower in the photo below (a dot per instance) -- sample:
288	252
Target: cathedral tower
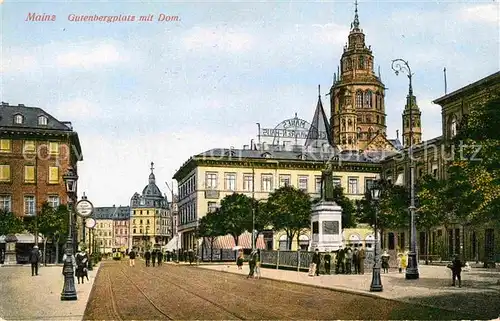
414	113
357	95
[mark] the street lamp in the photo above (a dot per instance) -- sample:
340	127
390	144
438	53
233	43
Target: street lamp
376	285
400	65
69	292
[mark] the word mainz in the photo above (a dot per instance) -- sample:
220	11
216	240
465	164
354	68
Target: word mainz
35	17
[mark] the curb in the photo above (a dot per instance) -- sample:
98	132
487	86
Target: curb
350	291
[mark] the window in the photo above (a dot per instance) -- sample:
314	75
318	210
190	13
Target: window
317	184
368	99
29	146
359	99
53	175
285	180
211	180
53	148
353	186
230	181
18	119
212	207
5	145
303	183
4	173
453	126
42	120
337	181
29	205
5	201
53	201
267	182
369	184
29	174
248	182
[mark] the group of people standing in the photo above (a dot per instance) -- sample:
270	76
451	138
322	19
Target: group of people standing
153	257
346	261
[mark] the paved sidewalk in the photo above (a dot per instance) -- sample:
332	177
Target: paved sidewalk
24	297
480	292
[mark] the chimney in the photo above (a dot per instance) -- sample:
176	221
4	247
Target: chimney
20	105
397	133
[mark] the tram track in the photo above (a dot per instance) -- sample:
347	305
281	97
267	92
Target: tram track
234	316
154	305
113	303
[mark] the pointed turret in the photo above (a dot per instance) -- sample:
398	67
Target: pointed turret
320	131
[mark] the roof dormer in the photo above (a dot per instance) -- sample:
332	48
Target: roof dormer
43	120
18	119
266	155
302	156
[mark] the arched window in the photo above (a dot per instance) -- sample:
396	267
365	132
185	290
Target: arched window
359	99
18	119
348	64
343	124
359	131
453	126
378	119
376	100
303	242
349	123
368	119
370	132
349	140
283	246
368	99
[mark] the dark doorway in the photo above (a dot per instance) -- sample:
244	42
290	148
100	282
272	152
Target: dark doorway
391	240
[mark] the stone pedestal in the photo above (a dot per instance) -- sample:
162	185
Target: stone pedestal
10	251
326	226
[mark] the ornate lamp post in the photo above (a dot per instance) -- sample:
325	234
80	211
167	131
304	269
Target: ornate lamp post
376	285
69	291
400	65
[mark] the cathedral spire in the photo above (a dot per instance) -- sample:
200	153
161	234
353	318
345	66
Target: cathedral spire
320	131
355	23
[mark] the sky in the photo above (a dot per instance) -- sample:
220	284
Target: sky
163	91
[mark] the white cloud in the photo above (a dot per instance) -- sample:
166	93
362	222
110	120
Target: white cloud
18	62
87	56
75	109
483	13
218	40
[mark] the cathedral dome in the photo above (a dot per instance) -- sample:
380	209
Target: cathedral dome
151	190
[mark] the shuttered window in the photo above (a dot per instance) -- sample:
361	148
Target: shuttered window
29	174
5	173
53	175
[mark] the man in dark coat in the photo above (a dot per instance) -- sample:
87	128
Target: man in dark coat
131	256
34	260
147	257
456	269
153	257
361	261
160	257
316	259
355	260
328	260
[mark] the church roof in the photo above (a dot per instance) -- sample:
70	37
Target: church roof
320	130
112	213
151	190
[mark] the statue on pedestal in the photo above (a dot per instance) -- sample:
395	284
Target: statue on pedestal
327	183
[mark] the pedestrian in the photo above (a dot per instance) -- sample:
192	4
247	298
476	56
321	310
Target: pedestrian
257	265
340	261
160	257
131	256
328	262
81	259
34	260
456	270
361	260
400	262
404	261
385	262
251	264
348	261
316	259
239	261
191	256
355	262
147	257
153	257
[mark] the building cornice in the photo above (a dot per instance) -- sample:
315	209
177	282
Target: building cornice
486	82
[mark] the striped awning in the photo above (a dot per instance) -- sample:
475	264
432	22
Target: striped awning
244	240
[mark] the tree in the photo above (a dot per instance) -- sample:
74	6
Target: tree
261	220
432	210
392	205
290	210
210	226
235	210
475	171
10	223
347	205
50	220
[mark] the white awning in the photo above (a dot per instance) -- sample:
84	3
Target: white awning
24	238
172	244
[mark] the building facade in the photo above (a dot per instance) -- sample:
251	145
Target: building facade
111	232
433	157
36	150
205	179
151	217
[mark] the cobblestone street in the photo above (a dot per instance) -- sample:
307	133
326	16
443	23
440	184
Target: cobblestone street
182	292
